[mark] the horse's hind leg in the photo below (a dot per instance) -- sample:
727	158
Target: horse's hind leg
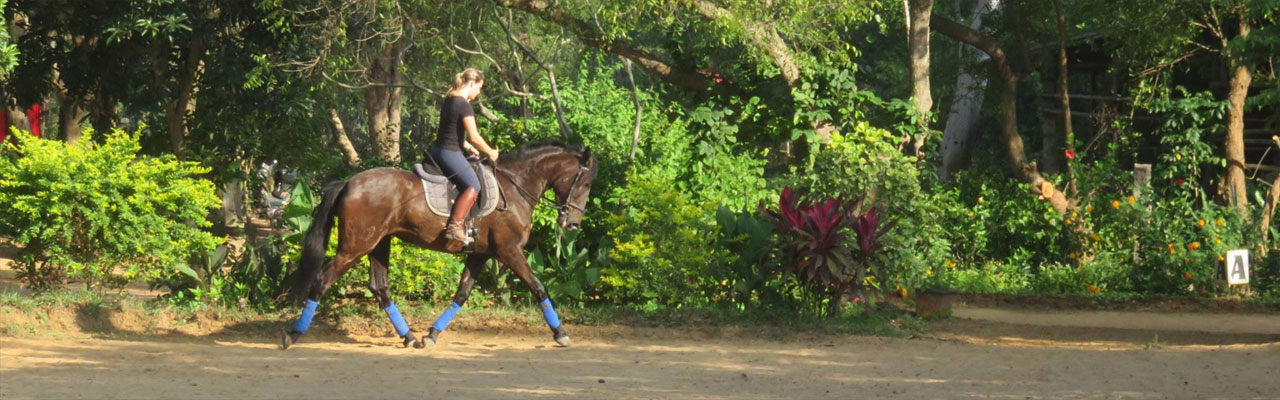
475	263
379	262
515	260
349	251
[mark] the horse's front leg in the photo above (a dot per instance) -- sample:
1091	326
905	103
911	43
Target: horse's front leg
515	260
379	262
475	263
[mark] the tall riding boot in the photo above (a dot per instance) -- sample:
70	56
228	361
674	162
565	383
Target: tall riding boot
454	230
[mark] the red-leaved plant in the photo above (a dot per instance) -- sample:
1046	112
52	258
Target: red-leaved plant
812	239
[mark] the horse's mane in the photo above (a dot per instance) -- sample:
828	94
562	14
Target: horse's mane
533	150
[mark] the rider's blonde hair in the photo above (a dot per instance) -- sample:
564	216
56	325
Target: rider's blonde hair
467	76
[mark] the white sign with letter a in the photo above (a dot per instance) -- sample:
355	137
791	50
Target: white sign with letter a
1237	267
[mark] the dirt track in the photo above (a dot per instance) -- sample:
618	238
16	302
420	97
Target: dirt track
981	356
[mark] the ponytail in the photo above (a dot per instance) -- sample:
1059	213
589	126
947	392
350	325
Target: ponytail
467	76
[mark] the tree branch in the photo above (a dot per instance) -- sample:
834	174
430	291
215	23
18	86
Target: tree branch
1022	168
685	79
635	98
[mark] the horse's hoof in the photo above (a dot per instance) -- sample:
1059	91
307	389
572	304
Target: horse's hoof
418	344
287	339
410	340
433	335
564	341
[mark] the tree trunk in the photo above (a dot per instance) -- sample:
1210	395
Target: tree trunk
349	153
1233	184
967	106
1269	211
71	114
383	102
1024	170
182	99
1062	76
918	43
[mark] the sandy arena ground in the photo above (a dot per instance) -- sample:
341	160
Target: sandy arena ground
983	353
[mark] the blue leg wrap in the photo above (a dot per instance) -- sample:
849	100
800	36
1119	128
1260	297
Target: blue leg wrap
397	320
446	317
549	313
304	322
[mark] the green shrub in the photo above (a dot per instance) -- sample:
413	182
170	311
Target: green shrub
567	268
662	244
101	213
747	267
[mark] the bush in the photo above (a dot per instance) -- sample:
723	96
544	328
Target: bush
101	212
866	162
662	245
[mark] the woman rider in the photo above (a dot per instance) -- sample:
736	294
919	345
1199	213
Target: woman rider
457	131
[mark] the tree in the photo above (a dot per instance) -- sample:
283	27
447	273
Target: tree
781	39
1187	31
967	103
1023	169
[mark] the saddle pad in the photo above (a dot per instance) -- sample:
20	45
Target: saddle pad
440	195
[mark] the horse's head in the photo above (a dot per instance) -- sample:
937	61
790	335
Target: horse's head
572	186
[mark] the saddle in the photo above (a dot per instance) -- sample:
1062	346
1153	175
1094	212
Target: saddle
441	193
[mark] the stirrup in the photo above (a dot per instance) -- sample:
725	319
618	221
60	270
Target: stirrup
457	233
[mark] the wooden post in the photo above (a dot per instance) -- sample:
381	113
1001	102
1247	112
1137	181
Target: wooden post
1141	179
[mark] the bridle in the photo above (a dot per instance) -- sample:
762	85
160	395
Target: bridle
533	200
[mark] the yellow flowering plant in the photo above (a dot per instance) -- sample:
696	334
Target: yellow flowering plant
101	212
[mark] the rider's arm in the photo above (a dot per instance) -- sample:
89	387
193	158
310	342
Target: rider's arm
470	149
473	136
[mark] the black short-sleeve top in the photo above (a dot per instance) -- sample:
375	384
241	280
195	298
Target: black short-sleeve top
451	133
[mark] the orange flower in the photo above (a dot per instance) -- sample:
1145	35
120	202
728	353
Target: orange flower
1187	275
1075	214
1093	288
1095	237
1115	204
904	292
1220	222
1067	222
1131	199
1200	223
1193	246
1088	208
1221	258
1071	256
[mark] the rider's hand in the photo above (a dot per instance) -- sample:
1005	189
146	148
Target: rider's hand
471	149
493	155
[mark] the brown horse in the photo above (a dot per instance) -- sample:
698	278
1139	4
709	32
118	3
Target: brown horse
376	205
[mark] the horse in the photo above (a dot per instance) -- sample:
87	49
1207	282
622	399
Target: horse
375	205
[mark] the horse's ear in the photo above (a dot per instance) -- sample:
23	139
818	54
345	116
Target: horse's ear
586	157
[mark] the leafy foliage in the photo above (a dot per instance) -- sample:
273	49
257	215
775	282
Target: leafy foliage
100	212
662	244
748	266
566	267
812	240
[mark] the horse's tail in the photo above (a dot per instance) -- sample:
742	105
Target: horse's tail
315	243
